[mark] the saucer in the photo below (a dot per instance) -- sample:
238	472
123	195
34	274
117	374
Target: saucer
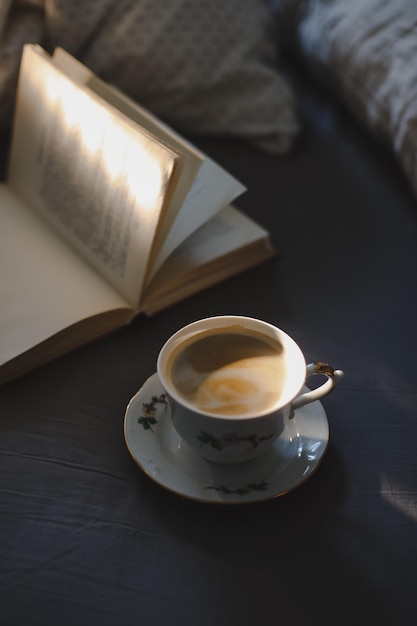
162	454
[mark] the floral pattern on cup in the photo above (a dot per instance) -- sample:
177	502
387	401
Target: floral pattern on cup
231	439
149	409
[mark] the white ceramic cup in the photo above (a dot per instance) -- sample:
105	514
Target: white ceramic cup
244	433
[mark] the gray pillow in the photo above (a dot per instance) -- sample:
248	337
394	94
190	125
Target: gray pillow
203	66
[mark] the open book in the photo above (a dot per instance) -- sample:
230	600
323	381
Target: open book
106	213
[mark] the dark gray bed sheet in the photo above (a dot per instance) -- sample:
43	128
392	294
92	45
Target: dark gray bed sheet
87	538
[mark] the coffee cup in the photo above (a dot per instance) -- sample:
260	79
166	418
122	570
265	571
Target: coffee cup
233	382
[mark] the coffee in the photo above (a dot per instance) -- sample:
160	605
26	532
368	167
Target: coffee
231	371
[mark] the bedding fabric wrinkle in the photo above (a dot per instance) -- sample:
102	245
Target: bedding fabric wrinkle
365	50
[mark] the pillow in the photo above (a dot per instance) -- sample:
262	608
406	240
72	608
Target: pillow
203	66
367	49
18	24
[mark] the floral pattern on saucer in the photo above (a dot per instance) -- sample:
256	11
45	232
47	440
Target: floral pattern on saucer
240	491
231	439
160	452
148	419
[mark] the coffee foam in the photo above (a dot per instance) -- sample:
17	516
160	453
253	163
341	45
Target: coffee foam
229	372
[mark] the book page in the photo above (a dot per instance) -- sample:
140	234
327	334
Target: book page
213	187
44	286
209	189
101	181
192	158
203	192
209	251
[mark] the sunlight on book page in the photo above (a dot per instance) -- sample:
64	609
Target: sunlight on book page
119	153
99	180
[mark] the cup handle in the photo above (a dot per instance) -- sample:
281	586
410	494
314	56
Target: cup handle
333	377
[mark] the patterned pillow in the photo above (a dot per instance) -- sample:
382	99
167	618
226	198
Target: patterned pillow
204	66
367	49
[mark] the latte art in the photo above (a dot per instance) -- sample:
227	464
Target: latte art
231	372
